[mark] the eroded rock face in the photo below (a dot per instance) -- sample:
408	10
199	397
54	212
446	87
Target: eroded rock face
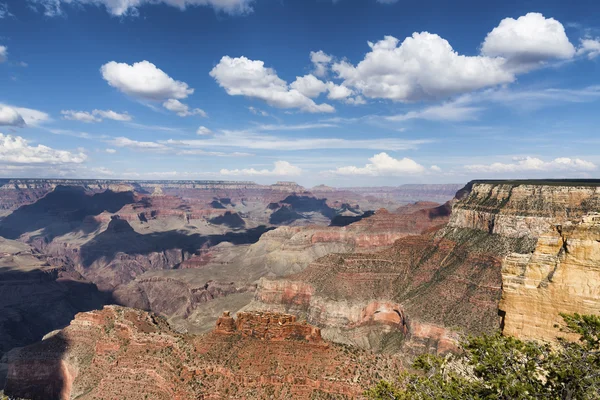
123	353
522	210
561	276
268	326
448	283
288	250
409	294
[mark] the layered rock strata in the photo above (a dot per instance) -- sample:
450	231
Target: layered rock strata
561	276
448	283
124	353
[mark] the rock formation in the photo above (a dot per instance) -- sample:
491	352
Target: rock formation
561	276
287	250
124	353
448	283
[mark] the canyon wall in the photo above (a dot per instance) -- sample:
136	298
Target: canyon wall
448	283
129	354
562	275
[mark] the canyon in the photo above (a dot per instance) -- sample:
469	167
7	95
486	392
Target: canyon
329	290
135	355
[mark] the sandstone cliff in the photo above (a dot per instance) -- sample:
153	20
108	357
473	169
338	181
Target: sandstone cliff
124	353
561	276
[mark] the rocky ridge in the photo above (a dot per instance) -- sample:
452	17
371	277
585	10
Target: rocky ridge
124	353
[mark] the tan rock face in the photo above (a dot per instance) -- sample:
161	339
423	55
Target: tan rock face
561	276
522	210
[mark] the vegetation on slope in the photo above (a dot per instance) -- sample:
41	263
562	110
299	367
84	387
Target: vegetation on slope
498	367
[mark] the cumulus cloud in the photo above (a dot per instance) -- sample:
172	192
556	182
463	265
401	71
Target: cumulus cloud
244	77
27	116
131	7
16	150
338	92
422	67
204	131
144	80
10	117
454	111
321	62
532	164
281	168
528	40
383	165
356	101
591	47
3	53
309	85
181	109
111	151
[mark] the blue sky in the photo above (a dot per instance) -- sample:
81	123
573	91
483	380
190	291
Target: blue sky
346	92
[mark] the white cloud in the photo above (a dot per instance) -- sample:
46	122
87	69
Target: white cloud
281	168
424	66
455	111
247	140
532	164
309	86
30	117
527	41
134	144
144	80
94	116
131	7
383	165
204	131
591	47
338	92
4	11
244	77
109	114
356	101
321	62
82	116
213	153
10	117
3	53
183	110
257	111
111	151
435	168
298	127
16	150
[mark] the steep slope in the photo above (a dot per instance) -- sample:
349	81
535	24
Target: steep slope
427	290
288	250
124	353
